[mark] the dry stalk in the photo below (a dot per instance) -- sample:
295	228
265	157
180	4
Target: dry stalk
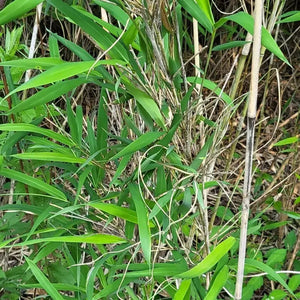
259	5
33	40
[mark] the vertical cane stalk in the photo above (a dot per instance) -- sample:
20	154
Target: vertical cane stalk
250	144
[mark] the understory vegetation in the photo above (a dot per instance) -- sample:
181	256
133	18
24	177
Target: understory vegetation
122	150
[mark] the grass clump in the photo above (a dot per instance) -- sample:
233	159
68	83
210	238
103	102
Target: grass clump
122	151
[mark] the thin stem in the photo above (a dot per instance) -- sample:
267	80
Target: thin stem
250	145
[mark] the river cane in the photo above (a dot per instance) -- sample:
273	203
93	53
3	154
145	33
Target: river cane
250	145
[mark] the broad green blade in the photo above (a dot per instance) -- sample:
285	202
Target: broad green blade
210	260
102	37
293	16
202	153
213	87
141	142
246	21
44	281
287	141
183	290
118	211
91	239
50	156
16	9
217	284
265	268
62	71
114	10
24	127
196	12
206	8
40	63
143	221
147	103
48	94
230	45
33	182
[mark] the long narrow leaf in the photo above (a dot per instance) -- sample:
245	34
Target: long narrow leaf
143	221
210	260
217	284
196	12
44	281
247	21
91	239
147	103
102	37
39	63
50	156
62	71
35	129
48	94
265	268
141	142
183	289
33	182
17	8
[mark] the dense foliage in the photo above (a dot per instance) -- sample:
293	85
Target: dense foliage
122	146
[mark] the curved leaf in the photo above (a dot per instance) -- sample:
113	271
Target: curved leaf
33	182
196	12
60	72
141	142
48	94
17	9
247	22
44	281
35	129
143	221
50	156
210	260
217	284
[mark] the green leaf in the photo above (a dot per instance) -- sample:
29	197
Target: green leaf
77	50
147	103
33	182
206	8
62	71
35	129
202	153
16	9
287	141
141	142
118	211
121	167
40	63
265	268
112	288
294	282
230	45
294	16
44	281
247	22
210	260
159	269
213	87
183	289
217	284
48	94
143	221
91	239
115	11
50	156
102	37
196	12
